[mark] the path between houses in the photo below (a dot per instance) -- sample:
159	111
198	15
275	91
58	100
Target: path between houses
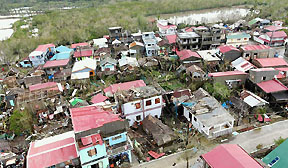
248	140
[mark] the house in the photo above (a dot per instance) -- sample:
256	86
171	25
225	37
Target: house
209	37
41	54
101	137
252	100
277	23
227	156
262	74
98	98
210	57
277	157
150	43
79	45
57	151
237	39
108	64
188	56
168	44
137	36
62	52
240	64
187	40
230	78
229	53
115	33
272	28
195	73
84	69
81	54
165	28
270	62
48	86
257	51
136	49
109	91
161	133
137	103
32	80
272	86
272	38
128	62
25	63
100	43
51	67
258	22
207	115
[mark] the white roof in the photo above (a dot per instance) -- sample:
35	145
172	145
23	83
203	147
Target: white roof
241	64
101	42
86	63
116	42
128	60
253	100
132	51
209	55
80	75
112	28
35	53
136	34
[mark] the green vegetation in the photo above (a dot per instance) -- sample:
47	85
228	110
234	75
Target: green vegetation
259	146
260	110
279	141
218	90
21	121
93	17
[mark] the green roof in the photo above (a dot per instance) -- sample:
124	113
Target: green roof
281	152
251	22
238	36
75	101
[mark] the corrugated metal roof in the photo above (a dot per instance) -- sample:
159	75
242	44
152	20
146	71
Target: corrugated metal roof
184	54
255	47
79	45
56	63
228	156
228	73
272	86
271	62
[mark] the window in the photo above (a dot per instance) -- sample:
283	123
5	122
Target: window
190	116
247	55
157	100
116	31
274	161
117	137
138	117
264	78
92	152
238	39
245	38
148	102
195	119
137	105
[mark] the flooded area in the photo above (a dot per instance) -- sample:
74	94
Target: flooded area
208	16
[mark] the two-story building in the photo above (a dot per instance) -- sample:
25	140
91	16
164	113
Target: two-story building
187	40
150	43
207	115
165	28
136	104
101	137
41	54
273	38
250	52
237	39
115	33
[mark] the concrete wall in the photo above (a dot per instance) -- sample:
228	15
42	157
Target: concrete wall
101	152
253	54
118	140
222	79
260	76
130	112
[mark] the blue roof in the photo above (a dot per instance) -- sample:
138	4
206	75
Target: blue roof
188	104
61	56
63	49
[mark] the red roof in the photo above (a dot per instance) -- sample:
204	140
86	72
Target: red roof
229	156
44	47
228	73
278	34
89	117
155	155
98	98
44	86
79	45
272	86
227	48
56	63
91	140
271	62
51	152
166	27
171	38
255	47
124	86
273	28
282	69
184	54
83	53
189	29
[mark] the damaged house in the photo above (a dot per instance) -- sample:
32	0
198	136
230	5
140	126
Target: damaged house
137	103
207	115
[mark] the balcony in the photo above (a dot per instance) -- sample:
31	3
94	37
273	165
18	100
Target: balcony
119	148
